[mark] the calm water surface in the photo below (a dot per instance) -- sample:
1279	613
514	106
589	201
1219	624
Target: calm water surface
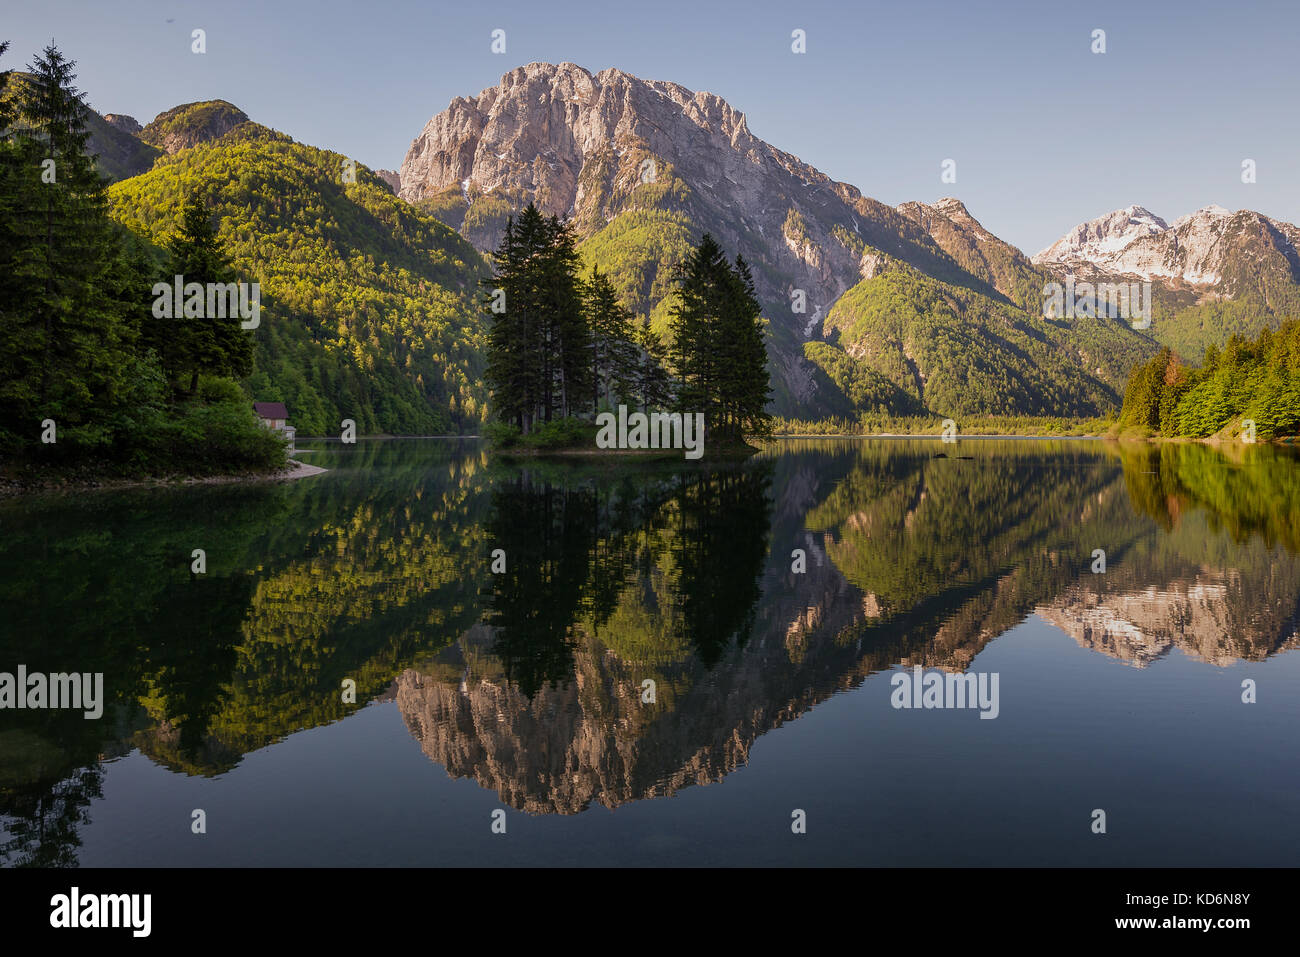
523	690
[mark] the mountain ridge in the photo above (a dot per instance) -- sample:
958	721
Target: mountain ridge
643	167
1191	250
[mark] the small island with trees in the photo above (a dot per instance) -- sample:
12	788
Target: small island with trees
562	350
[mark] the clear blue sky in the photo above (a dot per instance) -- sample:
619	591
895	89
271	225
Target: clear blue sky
1045	133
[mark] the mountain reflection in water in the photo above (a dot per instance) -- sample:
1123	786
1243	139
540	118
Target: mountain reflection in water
622	582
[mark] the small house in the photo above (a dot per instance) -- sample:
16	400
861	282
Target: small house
276	418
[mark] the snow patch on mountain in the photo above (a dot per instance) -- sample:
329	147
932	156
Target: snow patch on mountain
1103	238
1134	241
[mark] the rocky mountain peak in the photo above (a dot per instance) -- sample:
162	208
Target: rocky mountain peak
1205	216
392	178
191	124
1102	238
581	145
1211	247
543	123
951	206
127	124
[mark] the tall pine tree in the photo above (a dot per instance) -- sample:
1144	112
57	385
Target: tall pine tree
211	343
650	372
718	351
569	329
539	354
511	300
743	380
66	339
614	350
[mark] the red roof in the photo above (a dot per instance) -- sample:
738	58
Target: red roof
271	410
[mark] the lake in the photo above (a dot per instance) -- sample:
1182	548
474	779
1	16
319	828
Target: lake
433	656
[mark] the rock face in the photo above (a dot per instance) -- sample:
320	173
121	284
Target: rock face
1202	617
1101	239
541	126
595	147
390	177
191	124
579	145
127	124
1211	247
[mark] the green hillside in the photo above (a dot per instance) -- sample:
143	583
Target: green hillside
957	352
117	153
368	305
1191	329
638	252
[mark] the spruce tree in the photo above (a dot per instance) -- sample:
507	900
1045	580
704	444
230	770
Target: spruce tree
505	336
747	385
519	361
693	324
650	376
718	350
65	340
540	345
210	343
614	351
569	331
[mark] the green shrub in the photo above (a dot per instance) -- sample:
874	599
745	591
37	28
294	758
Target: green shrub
501	435
224	436
216	431
561	434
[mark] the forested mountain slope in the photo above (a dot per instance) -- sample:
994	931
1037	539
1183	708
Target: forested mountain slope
369	306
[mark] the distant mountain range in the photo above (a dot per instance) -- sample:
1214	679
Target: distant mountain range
1210	250
1214	273
872	308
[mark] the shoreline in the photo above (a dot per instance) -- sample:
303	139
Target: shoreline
11	489
294	470
931	435
1284	440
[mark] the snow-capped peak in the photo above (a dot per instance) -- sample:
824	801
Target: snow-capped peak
1135	242
1102	238
1211	212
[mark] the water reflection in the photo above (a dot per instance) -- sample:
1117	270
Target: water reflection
532	680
